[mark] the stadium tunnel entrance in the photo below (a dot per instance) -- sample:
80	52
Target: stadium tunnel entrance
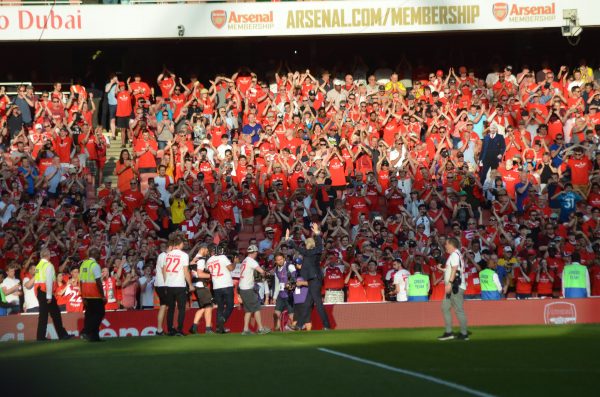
409	54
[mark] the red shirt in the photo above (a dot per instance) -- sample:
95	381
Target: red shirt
165	86
333	278
110	292
124	108
132	200
63	147
523	286
544	286
373	287
356	291
595	280
580	170
146	160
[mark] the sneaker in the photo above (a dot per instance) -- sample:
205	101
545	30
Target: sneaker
179	333
462	337
193	329
172	332
223	330
209	331
246	333
326	329
288	328
160	333
264	331
67	337
446	336
83	336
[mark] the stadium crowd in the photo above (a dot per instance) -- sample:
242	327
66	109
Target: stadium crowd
507	162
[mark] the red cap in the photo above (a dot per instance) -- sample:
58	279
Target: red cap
462	69
121	84
440	73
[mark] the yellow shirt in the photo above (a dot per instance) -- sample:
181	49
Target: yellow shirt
177	208
394	87
508	266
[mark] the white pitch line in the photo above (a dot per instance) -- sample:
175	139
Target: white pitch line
406	372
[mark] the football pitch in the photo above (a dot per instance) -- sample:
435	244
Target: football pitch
497	361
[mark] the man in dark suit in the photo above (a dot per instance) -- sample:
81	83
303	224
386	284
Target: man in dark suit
311	272
491	152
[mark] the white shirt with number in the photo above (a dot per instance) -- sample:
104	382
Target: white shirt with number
175	261
247	273
455	260
220	274
160	263
401	279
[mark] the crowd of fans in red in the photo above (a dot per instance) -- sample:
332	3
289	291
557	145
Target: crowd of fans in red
507	162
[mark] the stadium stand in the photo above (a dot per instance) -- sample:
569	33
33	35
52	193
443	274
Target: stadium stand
507	162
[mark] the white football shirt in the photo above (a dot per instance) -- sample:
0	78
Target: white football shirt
160	262
175	261
220	274
247	273
401	279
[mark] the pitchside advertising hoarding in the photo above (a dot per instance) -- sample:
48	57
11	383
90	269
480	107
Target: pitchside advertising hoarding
548	312
159	21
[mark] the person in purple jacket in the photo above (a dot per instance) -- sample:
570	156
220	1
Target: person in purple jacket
301	306
285	279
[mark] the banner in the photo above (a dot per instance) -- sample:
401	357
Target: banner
163	21
343	316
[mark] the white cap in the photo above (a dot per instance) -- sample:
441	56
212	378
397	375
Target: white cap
38	126
252	248
337	82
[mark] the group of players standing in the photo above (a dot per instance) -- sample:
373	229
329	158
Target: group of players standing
176	275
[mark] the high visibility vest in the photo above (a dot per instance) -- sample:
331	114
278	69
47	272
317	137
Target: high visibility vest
40	276
89	288
418	285
574	276
486	279
2	296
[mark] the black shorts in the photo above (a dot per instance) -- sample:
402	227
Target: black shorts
282	304
250	300
204	297
122	122
112	111
162	295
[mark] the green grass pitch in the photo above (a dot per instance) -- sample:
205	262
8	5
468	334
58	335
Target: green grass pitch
498	361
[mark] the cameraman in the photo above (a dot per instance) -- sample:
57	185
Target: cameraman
285	277
455	285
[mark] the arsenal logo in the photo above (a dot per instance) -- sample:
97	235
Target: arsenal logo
218	18
500	11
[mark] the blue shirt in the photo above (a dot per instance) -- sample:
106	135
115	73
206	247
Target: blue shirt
252	130
111	98
29	179
501	272
54	180
24	108
568	204
521	197
477	127
558	160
